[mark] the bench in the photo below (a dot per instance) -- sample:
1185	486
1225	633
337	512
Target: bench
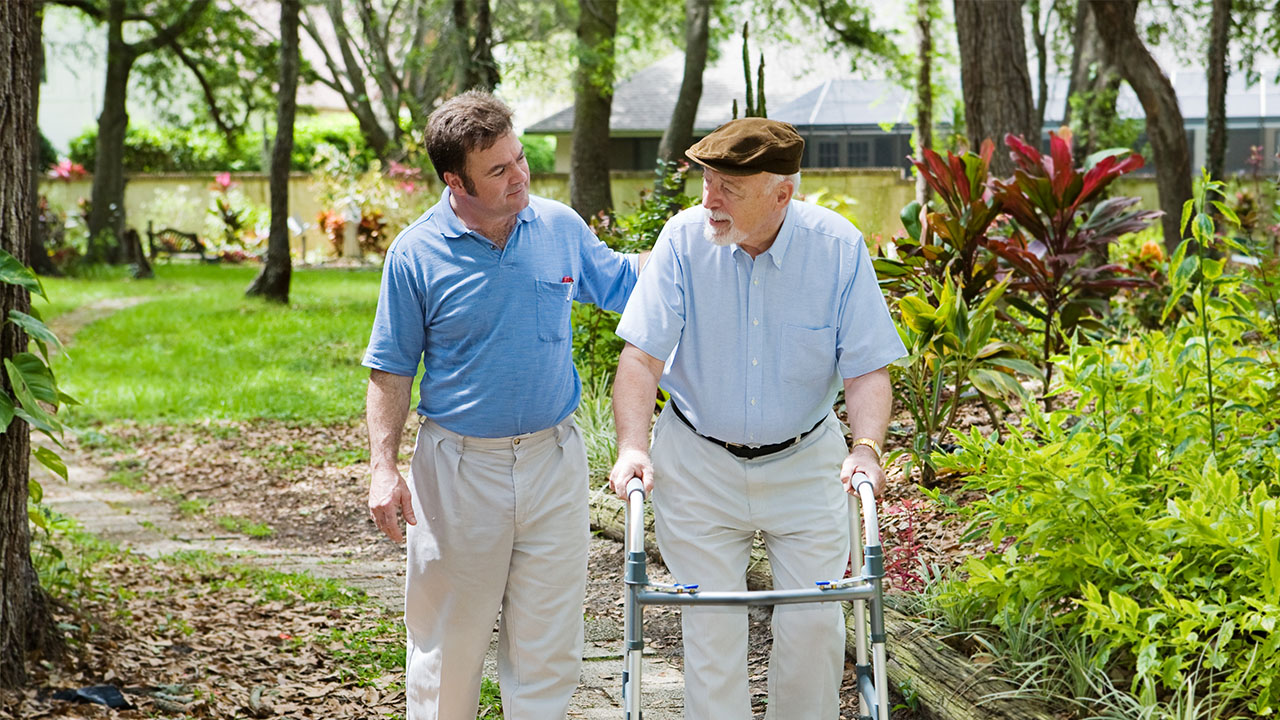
171	241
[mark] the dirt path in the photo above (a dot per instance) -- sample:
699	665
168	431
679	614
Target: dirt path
145	524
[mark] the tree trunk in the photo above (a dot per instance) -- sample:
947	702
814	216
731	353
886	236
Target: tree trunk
993	73
924	91
483	66
106	208
589	190
1220	29
947	683
273	281
1092	76
1165	128
25	620
1039	36
679	133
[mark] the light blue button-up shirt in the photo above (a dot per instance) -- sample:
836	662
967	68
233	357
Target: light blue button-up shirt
755	348
490	326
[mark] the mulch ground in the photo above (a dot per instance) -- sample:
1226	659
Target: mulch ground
181	646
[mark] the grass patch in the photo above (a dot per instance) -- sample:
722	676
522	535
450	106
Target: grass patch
202	350
298	454
367	654
245	526
128	479
490	700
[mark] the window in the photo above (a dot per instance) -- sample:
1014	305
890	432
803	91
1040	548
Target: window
859	154
828	154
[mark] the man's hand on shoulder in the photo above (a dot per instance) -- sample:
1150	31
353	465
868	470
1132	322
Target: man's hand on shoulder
631	464
389	493
862	460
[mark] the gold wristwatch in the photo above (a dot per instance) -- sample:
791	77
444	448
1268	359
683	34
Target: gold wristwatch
875	446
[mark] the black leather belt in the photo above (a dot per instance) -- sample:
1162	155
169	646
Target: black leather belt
746	452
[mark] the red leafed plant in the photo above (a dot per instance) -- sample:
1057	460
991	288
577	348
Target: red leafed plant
948	244
1070	223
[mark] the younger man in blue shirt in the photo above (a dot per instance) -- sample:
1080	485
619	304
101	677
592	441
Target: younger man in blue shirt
479	290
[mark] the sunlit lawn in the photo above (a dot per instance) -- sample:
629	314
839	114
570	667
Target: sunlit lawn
197	348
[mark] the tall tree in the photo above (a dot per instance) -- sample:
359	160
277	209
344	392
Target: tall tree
589	188
1093	86
679	133
1165	127
272	281
25	620
926	11
37	254
1042	12
474	42
1216	121
168	19
993	74
388	58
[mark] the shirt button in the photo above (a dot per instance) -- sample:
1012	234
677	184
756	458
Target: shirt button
755	281
755	361
755	321
753	401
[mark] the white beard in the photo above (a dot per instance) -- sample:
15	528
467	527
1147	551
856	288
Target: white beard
731	236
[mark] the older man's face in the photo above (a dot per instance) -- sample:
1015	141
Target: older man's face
739	207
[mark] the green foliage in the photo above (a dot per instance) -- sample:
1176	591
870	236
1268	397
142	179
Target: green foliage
950	350
1115	517
595	421
180	148
595	346
540	151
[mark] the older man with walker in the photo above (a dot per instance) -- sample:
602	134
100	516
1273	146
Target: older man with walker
753	310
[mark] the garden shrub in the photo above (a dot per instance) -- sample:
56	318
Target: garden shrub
540	151
1116	519
166	149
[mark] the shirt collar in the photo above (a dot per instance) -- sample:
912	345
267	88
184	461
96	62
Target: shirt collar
451	226
780	244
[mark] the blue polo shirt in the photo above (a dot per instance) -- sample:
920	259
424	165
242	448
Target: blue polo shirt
755	348
491	327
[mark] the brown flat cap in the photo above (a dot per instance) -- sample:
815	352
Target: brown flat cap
750	145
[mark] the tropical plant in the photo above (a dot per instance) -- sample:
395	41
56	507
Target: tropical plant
948	244
1070	224
1214	290
950	350
1114	518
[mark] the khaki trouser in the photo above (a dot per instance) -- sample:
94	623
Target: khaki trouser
708	506
502	525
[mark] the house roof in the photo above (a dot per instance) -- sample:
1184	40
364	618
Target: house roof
848	102
643	103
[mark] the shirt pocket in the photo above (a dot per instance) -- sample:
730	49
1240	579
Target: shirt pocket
808	355
554	300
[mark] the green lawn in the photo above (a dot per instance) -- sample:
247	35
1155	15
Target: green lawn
198	349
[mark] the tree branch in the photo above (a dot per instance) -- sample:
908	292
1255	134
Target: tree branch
177	27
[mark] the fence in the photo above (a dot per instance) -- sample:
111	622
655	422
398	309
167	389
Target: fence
183	201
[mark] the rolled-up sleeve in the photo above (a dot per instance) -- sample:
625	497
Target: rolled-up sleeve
654	318
866	338
399	327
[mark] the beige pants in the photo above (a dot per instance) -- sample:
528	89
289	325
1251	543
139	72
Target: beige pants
708	506
502	525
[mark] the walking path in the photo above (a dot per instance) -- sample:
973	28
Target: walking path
140	522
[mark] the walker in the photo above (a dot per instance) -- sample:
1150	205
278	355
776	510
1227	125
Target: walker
873	693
